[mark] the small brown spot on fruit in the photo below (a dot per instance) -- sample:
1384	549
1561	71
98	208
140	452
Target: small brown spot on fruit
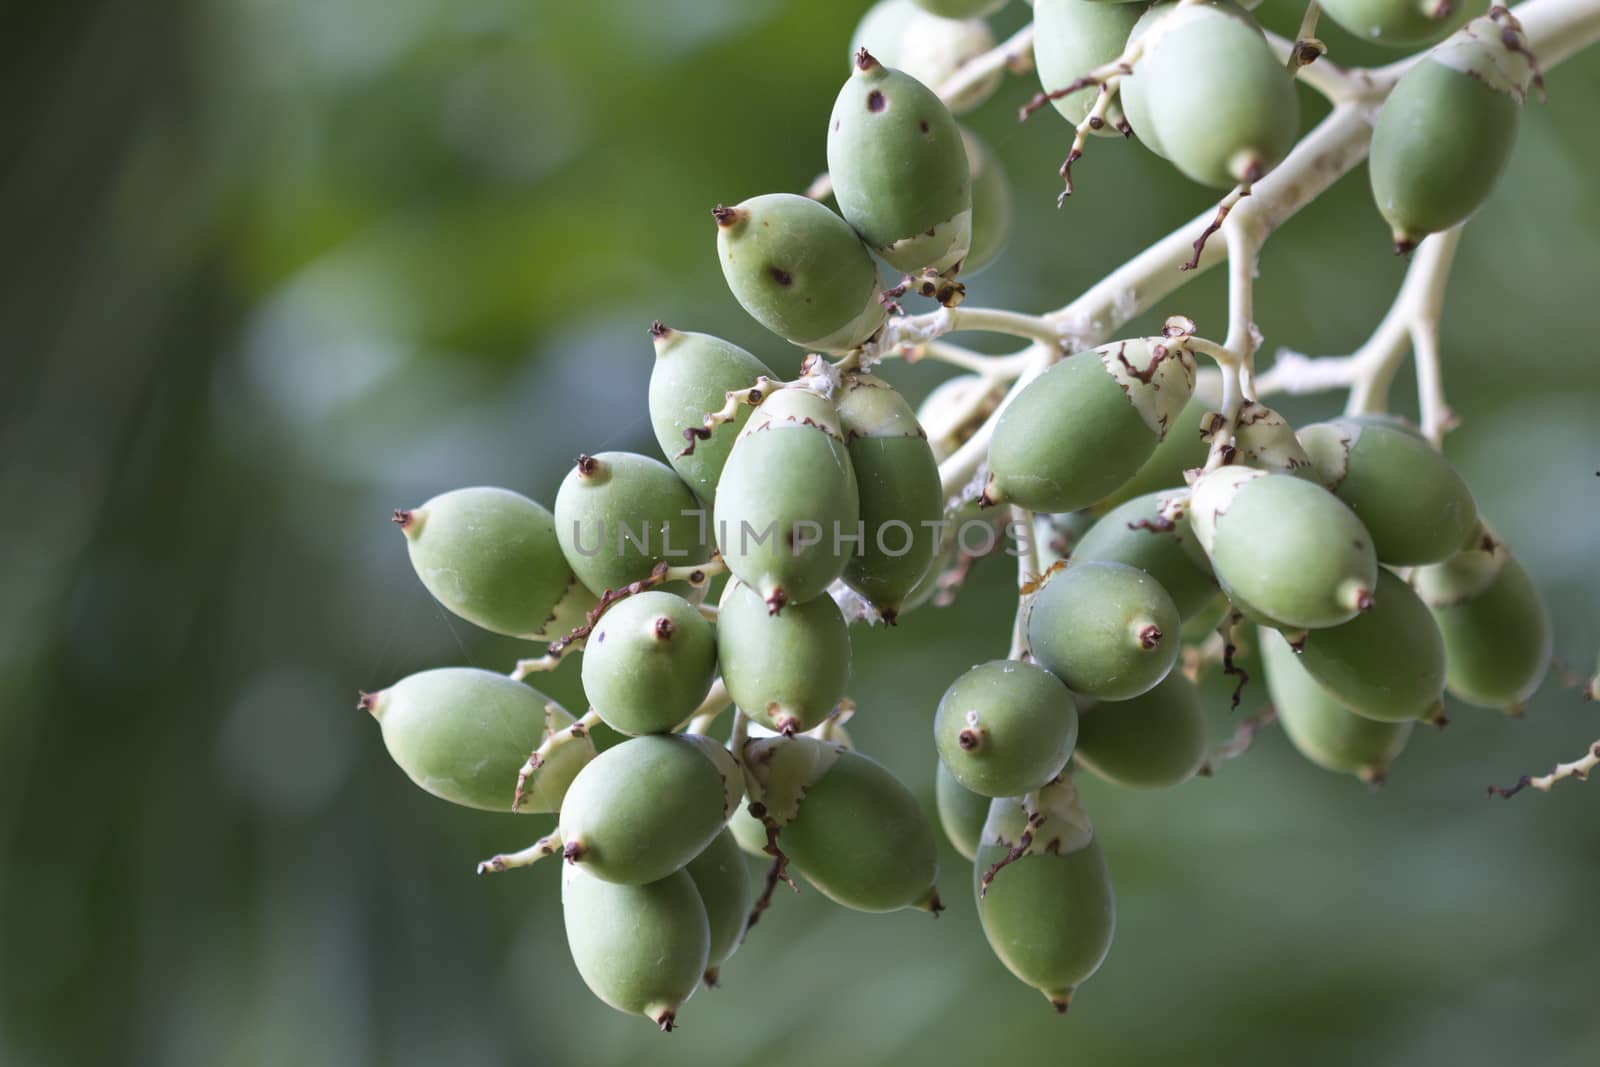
876	101
781	276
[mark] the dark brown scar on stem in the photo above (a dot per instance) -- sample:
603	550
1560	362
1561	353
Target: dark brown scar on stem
1014	853
778	872
1158	353
1229	667
1222	213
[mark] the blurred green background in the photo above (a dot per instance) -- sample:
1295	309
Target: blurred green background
274	267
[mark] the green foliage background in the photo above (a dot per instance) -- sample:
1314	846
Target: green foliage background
274	268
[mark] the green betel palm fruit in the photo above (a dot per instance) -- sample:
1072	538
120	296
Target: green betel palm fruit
1108	630
649	662
641	810
1209	94
897	481
1072	38
928	47
492	557
618	514
991	205
1497	638
1323	730
1408	496
723	879
800	271
961	9
749	831
786	671
1155	740
788	500
899	169
1447	129
1183	448
640	948
1049	913
1402	23
961	811
1005	728
1081	429
1386	664
692	375
846	823
1263	439
1286	551
462	735
1136	533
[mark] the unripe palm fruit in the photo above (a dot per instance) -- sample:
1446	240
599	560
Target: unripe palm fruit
492	557
749	831
961	811
1263	439
462	735
1209	94
1109	631
1136	533
1080	430
618	514
954	410
1005	728
1286	551
723	879
1386	664
786	671
649	662
991	205
961	9
1183	448
899	168
692	375
1408	496
1496	631
930	48
847	824
1325	731
640	948
1072	38
787	498
1401	23
800	271
1049	915
1155	740
1447	130
897	481
641	810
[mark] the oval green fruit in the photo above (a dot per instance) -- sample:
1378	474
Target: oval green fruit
1072	38
640	948
749	831
1401	23
1263	439
786	671
1155	740
930	48
961	811
462	734
991	205
961	9
723	879
641	810
899	168
492	557
618	514
800	271
1183	448
1108	630
1386	664
649	662
1005	728
692	375
1136	533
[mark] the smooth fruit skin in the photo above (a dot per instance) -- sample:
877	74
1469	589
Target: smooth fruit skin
618	514
1109	631
492	557
640	948
723	879
649	662
1209	94
961	9
897	482
1408	496
1153	741
749	831
800	271
1183	448
991	205
1323	730
1135	533
1085	426
899	168
930	48
462	734
1285	550
1387	663
961	811
786	671
787	500
641	810
1072	38
1005	728
692	375
1445	133
1402	23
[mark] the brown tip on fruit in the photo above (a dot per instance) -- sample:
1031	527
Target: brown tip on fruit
1061	1004
776	600
1150	636
890	616
711	976
865	60
787	725
402	517
968	740
727	216
587	465
658	330
1364	600
934	905
1403	246
666	1020
665	628
1442	9
367	702
573	851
